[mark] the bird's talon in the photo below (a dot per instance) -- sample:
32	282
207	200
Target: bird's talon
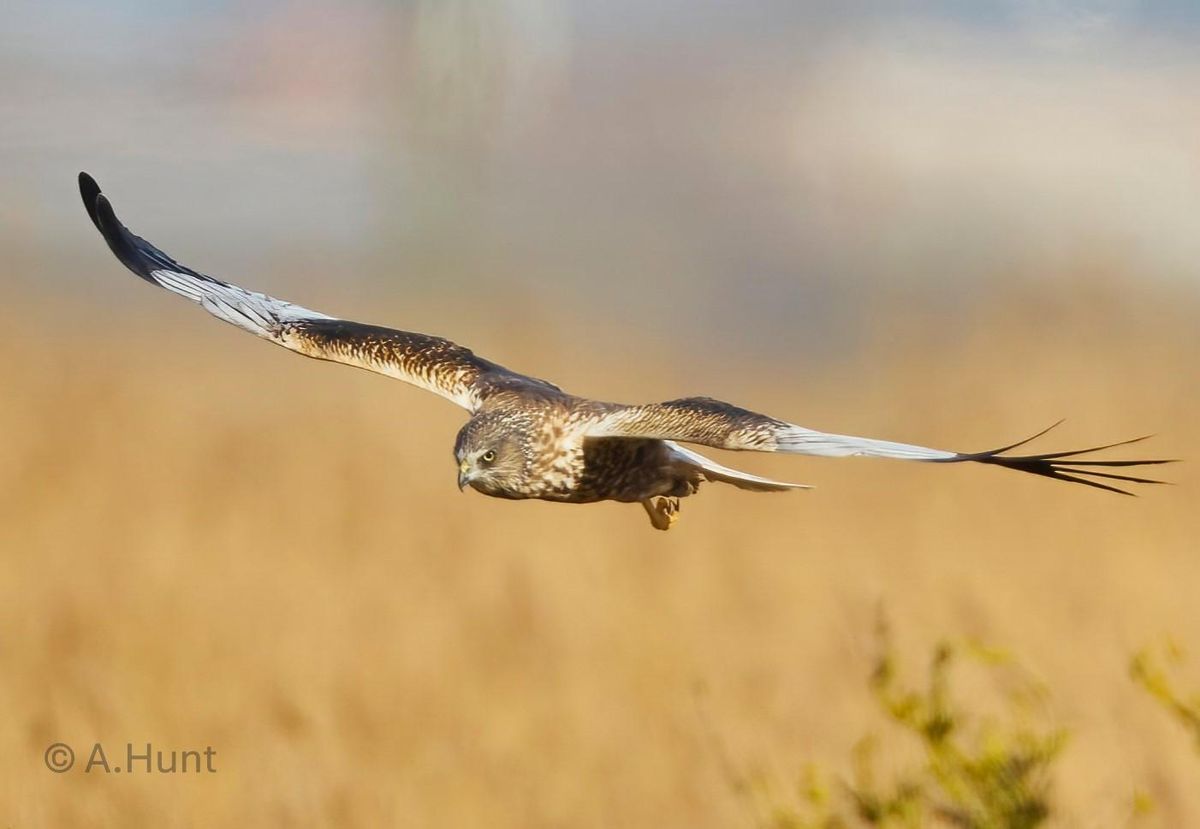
663	511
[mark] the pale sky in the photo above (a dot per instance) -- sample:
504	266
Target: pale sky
684	150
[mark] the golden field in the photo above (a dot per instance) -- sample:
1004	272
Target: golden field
206	541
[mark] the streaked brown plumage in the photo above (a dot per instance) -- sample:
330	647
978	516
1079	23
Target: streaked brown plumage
526	438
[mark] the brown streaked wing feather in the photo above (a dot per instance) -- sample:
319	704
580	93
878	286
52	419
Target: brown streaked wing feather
431	363
700	420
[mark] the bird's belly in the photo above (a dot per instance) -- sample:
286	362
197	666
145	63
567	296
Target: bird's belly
624	469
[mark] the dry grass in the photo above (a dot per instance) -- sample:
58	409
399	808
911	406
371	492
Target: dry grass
206	541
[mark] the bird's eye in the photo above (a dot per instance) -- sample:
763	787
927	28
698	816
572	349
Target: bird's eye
488	456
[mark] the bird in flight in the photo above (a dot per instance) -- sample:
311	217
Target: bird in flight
526	438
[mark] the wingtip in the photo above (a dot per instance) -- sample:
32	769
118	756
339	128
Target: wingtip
120	241
105	215
89	190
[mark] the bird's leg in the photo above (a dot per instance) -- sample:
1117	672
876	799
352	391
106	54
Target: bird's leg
663	511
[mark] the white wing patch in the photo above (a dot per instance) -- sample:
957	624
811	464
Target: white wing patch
716	472
801	441
249	310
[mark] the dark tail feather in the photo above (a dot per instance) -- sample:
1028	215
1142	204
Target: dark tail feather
1051	465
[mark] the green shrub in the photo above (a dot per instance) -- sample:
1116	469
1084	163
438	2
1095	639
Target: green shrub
976	772
1154	672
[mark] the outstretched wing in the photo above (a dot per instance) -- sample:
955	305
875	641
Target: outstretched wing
714	423
431	363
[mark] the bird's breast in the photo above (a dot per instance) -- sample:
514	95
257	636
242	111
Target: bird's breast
626	469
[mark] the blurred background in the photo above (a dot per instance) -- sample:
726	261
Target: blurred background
945	222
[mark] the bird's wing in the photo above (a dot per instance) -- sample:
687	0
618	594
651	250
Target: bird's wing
713	471
431	363
711	422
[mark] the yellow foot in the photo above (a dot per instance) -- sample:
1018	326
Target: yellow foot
663	511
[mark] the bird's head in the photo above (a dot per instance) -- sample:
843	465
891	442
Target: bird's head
492	456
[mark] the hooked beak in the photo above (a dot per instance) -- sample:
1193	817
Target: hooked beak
464	476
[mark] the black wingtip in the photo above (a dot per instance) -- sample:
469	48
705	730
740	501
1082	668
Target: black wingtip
135	253
1029	439
90	191
105	217
1068	466
120	241
87	184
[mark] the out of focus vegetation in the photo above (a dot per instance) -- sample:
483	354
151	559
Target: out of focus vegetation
972	769
1155	670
